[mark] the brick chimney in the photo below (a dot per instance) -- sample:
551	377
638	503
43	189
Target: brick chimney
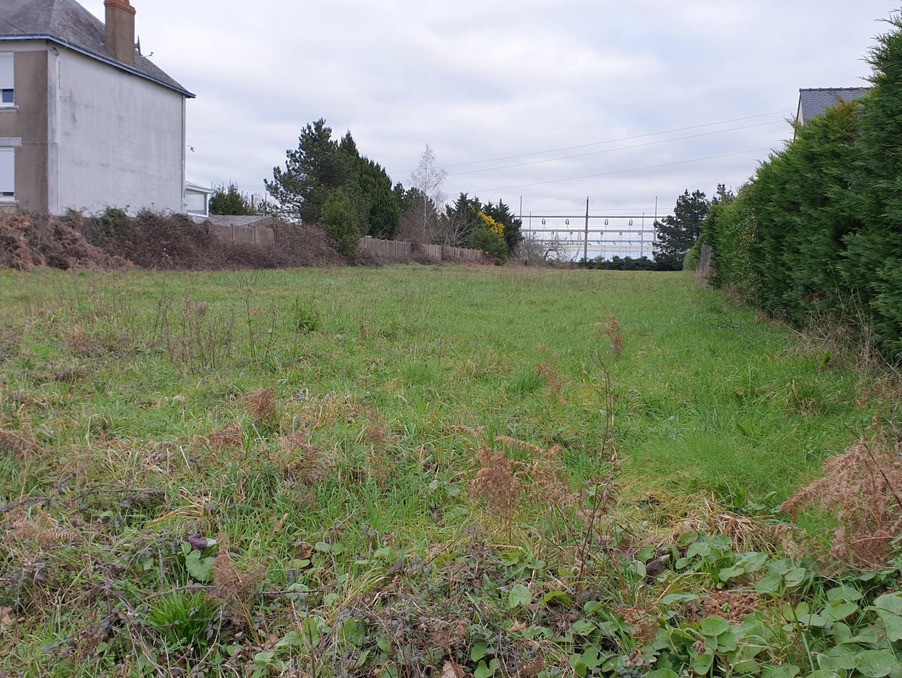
120	30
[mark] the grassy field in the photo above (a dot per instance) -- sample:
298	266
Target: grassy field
415	471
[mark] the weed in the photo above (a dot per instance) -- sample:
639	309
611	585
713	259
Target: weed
863	486
497	483
306	318
187	620
261	405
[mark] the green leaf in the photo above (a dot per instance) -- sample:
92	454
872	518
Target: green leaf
838	609
846	593
714	626
795	577
478	651
728	573
783	671
781	566
519	596
702	663
869	635
841	633
837	659
483	671
200	569
557	598
637	567
662	673
753	561
354	632
698	549
889	609
875	663
769	585
264	658
891	602
290	639
672	598
592	658
727	641
582	628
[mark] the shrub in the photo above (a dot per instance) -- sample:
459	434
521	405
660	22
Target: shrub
489	237
342	223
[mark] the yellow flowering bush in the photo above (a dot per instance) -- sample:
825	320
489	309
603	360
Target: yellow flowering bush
489	236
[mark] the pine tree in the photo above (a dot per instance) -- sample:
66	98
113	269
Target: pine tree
312	172
677	234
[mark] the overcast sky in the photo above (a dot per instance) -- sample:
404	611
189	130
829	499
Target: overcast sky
551	101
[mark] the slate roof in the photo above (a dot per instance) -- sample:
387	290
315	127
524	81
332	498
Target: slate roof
67	23
815	102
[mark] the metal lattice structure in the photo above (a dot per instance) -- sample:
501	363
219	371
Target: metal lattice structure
578	236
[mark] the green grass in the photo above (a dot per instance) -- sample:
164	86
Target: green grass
111	385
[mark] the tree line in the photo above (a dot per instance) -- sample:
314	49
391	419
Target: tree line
327	181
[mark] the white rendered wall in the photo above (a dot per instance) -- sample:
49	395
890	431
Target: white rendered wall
118	139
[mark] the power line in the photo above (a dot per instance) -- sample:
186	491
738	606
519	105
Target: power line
624	171
609	141
612	150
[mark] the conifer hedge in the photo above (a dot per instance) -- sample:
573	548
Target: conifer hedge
818	229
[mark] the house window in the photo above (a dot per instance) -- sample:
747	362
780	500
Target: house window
7	174
7	79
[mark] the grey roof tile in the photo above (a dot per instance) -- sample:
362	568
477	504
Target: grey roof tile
815	102
70	24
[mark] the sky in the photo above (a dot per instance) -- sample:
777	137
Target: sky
539	103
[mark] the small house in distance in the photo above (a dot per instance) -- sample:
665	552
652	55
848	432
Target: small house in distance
815	102
86	121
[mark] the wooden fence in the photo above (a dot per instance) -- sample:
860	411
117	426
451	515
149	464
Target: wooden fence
245	235
402	250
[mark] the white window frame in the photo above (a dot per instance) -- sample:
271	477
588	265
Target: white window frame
7	78
7	174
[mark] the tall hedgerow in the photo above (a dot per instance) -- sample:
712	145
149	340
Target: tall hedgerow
872	263
802	208
729	230
818	230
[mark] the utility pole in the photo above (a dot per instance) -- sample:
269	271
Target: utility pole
586	239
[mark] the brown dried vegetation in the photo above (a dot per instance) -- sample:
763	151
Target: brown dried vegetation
234	590
261	405
504	483
862	486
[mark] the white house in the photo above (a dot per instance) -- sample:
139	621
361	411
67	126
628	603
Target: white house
86	121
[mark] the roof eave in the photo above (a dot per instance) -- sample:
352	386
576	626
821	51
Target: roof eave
99	57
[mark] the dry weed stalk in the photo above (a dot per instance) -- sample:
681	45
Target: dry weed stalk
18	443
232	589
547	476
261	405
551	376
505	484
38	528
613	331
82	343
863	487
498	485
300	460
229	436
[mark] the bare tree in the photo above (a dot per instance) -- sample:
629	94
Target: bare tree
541	252
428	179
